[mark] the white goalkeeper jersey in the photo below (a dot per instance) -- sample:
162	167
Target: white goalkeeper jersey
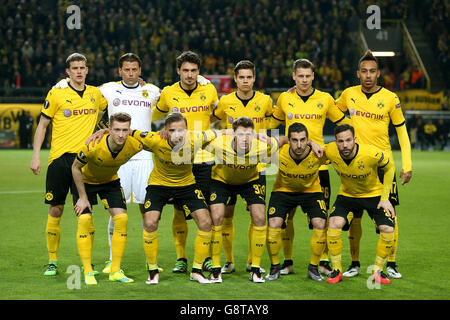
137	101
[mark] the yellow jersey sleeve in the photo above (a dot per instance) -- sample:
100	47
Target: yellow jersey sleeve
51	104
396	113
334	113
149	140
341	101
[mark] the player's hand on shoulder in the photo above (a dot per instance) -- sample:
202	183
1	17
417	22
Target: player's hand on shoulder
291	90
96	137
318	150
202	80
141	82
62	84
163	133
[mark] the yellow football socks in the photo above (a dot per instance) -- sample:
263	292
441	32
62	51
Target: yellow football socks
250	239
179	231
384	248
354	238
202	248
274	244
317	244
84	242
151	246
335	247
118	240
259	237
53	232
288	239
392	256
228	238
216	245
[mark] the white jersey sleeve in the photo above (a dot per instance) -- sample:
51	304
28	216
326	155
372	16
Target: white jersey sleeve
137	102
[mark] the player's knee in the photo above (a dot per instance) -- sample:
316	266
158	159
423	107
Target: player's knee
275	223
386	229
56	211
336	223
319	223
203	220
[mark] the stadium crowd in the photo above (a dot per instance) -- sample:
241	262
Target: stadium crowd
271	33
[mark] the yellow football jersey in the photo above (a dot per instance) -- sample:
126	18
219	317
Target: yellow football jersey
235	169
371	116
290	108
73	118
259	107
297	177
173	167
101	165
359	178
196	107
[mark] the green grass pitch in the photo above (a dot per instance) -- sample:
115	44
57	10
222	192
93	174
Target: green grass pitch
422	257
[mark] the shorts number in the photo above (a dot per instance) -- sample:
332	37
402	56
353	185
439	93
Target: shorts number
199	194
322	205
259	189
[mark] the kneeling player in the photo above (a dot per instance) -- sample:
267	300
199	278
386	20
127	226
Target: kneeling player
172	181
357	166
297	184
97	167
236	172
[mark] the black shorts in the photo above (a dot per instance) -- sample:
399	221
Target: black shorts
393	194
345	206
190	198
324	179
202	174
253	192
110	193
262	182
59	180
282	203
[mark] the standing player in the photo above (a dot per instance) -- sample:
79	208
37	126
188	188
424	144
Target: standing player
257	106
309	106
357	165
372	108
236	172
129	96
95	172
196	103
172	181
297	183
73	113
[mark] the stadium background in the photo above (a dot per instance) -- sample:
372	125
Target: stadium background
332	34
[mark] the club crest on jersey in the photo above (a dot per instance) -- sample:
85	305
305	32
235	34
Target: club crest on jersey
361	165
320	105
92	98
380	104
311	164
257	108
203	97
145	93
